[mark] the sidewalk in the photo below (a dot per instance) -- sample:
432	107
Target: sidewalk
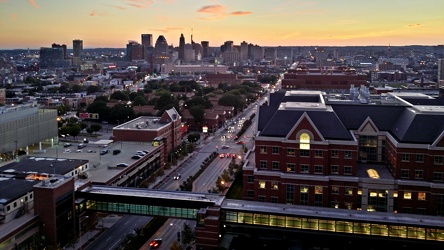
89	236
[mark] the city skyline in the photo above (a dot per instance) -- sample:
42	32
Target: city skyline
112	23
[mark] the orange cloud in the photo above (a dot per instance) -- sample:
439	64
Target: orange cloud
139	3
33	4
218	12
240	13
414	25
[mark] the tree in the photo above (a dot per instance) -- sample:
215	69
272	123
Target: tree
120	95
96	127
100	108
140	101
92	89
187	234
121	112
193	137
198	113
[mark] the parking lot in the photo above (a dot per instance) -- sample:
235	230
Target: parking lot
103	166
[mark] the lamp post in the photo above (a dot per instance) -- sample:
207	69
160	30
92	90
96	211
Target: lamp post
15	152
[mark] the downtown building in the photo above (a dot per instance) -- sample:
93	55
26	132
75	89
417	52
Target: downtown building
349	151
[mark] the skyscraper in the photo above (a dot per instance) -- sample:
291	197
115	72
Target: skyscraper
134	51
62	47
181	47
205	48
161	51
77	46
147	42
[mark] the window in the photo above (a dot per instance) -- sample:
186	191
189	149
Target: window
304	153
347	170
334	153
8	208
304	169
419	174
318	190
404	173
289	195
303	189
319	153
347	154
304	141
335	190
319	169
405	157
407	195
275	165
263	164
250	178
348	191
261	198
334	169
349	205
437	176
421	196
419	158
274	185
290	151
290	167
274	199
250	193
275	150
438	160
263	150
262	184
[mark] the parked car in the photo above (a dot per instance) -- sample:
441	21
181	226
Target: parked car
81	145
104	152
122	165
136	157
67	145
225	146
116	151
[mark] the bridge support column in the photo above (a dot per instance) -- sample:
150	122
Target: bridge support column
208	228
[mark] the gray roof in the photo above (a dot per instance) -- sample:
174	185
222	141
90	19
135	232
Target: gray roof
12	189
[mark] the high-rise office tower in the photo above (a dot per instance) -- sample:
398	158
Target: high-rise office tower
161	51
181	47
205	48
134	51
243	51
52	57
147	41
77	47
62	47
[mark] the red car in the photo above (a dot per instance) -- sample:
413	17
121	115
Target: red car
156	243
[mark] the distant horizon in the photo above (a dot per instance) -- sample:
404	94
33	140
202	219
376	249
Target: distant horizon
112	23
324	46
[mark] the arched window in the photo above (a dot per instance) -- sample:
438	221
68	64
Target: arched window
304	141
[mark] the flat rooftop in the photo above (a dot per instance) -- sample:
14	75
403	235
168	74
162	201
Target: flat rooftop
142	123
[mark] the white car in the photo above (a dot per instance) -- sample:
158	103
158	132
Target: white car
67	150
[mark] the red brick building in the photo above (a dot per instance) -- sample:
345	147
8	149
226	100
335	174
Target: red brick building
373	153
323	78
146	129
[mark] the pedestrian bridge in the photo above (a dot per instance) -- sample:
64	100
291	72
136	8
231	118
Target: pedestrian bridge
236	215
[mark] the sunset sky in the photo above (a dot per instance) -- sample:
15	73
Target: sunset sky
112	23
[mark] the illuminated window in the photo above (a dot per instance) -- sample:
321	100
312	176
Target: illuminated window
419	174
318	190
263	150
348	191
262	184
290	167
421	196
304	141
304	189
274	185
407	195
